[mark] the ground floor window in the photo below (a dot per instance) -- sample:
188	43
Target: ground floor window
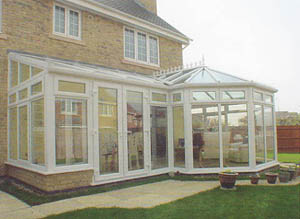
178	136
23	132
13	133
269	127
259	135
71	134
159	137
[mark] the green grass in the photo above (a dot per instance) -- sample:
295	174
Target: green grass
288	158
278	202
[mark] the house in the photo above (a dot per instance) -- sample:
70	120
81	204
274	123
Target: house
86	99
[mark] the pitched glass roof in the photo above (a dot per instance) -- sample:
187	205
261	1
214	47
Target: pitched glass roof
199	75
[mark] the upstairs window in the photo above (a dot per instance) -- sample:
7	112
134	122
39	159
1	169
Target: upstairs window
141	47
67	22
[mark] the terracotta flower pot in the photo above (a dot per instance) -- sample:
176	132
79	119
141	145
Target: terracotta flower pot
227	180
271	177
284	176
254	179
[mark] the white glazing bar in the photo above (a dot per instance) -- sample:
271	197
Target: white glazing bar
49	122
251	130
220	136
188	140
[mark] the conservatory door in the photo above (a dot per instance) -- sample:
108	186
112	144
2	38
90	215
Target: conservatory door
109	105
135	132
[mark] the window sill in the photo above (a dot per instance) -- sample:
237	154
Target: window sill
125	61
65	39
3	36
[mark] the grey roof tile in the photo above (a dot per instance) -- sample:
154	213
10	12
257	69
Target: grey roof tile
132	7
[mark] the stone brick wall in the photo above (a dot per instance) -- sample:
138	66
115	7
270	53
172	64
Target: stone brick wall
53	182
27	26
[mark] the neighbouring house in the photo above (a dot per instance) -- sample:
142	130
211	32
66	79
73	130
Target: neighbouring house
86	99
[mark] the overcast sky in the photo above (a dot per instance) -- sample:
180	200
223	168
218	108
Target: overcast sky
255	39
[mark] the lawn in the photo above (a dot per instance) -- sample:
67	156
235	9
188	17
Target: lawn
288	158
278	202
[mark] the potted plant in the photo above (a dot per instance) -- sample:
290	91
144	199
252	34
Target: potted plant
271	177
254	178
298	169
292	171
227	179
284	176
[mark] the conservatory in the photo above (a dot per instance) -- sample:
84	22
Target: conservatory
71	117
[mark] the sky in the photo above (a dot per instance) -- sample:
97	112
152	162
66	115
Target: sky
257	40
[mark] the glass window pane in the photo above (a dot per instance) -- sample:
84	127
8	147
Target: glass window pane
108	131
71	132
23	94
159	97
129	44
37	132
74	23
233	95
206	147
142	47
159	137
258	96
177	97
135	127
73	87
268	99
178	137
235	135
259	135
14	68
23	130
153	50
269	124
13	133
35	71
12	98
59	21
24	72
37	88
204	95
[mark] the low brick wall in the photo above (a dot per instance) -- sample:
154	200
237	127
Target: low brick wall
52	182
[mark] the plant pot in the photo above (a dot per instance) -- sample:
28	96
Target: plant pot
227	180
298	170
254	179
284	176
292	173
271	177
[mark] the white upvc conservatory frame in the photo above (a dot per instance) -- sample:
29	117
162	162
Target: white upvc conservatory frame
94	79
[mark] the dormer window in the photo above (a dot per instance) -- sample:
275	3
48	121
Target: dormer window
141	47
67	22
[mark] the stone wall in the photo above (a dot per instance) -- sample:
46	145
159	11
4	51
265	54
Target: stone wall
53	182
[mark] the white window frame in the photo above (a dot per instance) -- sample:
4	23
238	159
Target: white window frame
67	22
216	100
177	102
233	90
72	111
135	59
159	102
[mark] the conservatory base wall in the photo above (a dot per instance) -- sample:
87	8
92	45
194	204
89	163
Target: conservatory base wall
52	182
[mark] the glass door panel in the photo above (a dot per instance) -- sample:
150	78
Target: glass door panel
135	130
108	130
159	137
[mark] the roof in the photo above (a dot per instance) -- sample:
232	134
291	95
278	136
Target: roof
136	9
199	75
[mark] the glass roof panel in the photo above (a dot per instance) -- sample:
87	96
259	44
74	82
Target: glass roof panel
202	77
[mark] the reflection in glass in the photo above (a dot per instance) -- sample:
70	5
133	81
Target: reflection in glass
204	95
108	131
135	136
37	132
71	131
259	135
233	95
268	116
235	135
178	136
159	137
206	147
23	133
